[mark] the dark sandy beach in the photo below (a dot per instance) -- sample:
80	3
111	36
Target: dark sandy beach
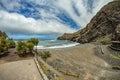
82	63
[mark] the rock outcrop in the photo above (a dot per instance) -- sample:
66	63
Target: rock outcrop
104	23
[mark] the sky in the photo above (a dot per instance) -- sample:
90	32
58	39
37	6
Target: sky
46	19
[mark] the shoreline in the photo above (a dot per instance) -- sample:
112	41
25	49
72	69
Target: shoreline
78	45
59	46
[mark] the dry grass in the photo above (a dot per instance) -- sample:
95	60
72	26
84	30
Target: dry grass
114	56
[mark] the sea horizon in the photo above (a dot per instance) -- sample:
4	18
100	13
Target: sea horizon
52	43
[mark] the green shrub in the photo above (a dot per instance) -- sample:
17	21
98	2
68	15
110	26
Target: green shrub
30	46
44	68
3	45
105	42
3	35
35	41
26	47
21	47
10	43
45	55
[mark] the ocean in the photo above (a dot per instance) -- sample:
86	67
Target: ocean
53	44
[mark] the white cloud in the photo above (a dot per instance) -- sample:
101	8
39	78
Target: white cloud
81	5
13	22
10	4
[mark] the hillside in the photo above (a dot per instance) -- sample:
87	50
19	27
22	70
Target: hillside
103	24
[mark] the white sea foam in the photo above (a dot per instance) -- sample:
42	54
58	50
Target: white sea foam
52	40
59	46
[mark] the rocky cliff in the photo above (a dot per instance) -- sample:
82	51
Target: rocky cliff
104	23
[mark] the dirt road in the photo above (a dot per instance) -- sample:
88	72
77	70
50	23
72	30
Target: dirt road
19	70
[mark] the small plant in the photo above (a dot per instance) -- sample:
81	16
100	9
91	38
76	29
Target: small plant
30	46
24	48
3	45
44	68
45	55
105	42
21	47
10	43
3	35
60	78
35	41
115	56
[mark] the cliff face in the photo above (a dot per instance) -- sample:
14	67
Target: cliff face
104	23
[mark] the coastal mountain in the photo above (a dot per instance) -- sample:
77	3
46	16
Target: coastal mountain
104	24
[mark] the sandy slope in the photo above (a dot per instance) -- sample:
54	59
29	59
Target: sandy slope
82	61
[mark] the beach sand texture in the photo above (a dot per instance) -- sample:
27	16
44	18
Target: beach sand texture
81	61
19	70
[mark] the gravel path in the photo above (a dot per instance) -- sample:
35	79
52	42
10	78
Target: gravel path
19	70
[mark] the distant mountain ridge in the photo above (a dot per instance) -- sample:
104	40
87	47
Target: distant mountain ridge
103	24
